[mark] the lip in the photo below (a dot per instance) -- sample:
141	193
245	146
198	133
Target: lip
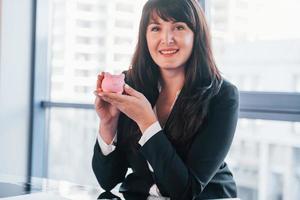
168	55
169	49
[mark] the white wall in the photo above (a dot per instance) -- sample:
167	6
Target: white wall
15	68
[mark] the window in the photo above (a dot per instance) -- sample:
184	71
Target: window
67	135
89	57
124	24
81	47
57	86
125	7
84	23
258	40
122	41
84	7
84	72
81	89
83	40
57	71
256	45
262	153
120	57
101	8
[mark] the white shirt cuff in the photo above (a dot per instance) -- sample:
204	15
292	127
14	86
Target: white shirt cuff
154	191
106	148
149	132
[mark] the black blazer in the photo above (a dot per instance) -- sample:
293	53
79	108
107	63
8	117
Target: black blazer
202	174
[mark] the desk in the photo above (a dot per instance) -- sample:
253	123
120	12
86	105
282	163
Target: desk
14	185
11	186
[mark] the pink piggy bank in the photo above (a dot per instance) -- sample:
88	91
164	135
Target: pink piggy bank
113	83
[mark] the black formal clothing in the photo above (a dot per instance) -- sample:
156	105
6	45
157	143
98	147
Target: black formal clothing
199	174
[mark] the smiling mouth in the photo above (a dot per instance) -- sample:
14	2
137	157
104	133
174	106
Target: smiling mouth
169	53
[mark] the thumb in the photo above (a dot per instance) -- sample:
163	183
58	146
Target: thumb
132	92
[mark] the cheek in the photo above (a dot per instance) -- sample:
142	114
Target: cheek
149	42
189	41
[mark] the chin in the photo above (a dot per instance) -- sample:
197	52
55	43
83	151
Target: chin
169	67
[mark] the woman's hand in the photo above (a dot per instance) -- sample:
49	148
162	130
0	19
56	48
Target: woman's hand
108	114
134	105
106	111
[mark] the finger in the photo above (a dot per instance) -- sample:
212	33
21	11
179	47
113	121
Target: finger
106	99
132	92
99	81
95	93
118	98
98	100
109	100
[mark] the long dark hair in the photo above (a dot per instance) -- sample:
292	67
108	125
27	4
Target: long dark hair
202	78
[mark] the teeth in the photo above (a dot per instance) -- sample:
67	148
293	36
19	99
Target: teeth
168	52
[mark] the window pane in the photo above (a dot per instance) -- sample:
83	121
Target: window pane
257	43
251	49
88	37
71	143
265	159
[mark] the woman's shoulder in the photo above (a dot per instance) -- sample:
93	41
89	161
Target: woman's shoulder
227	91
228	88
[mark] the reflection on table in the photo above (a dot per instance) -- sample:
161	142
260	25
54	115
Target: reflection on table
11	185
15	185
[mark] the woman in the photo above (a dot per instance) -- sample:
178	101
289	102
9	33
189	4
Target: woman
175	122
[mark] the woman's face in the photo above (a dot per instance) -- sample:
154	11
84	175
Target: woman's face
170	43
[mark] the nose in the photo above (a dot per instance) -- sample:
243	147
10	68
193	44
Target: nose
167	37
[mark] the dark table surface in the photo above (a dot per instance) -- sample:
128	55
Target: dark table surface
14	186
11	185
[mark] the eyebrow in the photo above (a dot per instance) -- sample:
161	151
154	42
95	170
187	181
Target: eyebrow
156	22
153	22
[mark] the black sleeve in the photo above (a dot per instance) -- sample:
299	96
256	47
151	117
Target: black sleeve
109	170
207	153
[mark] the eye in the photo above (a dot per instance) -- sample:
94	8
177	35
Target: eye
180	27
154	29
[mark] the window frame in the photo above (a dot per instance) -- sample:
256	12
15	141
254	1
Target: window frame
280	106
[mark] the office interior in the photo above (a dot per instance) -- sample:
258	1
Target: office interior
52	50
